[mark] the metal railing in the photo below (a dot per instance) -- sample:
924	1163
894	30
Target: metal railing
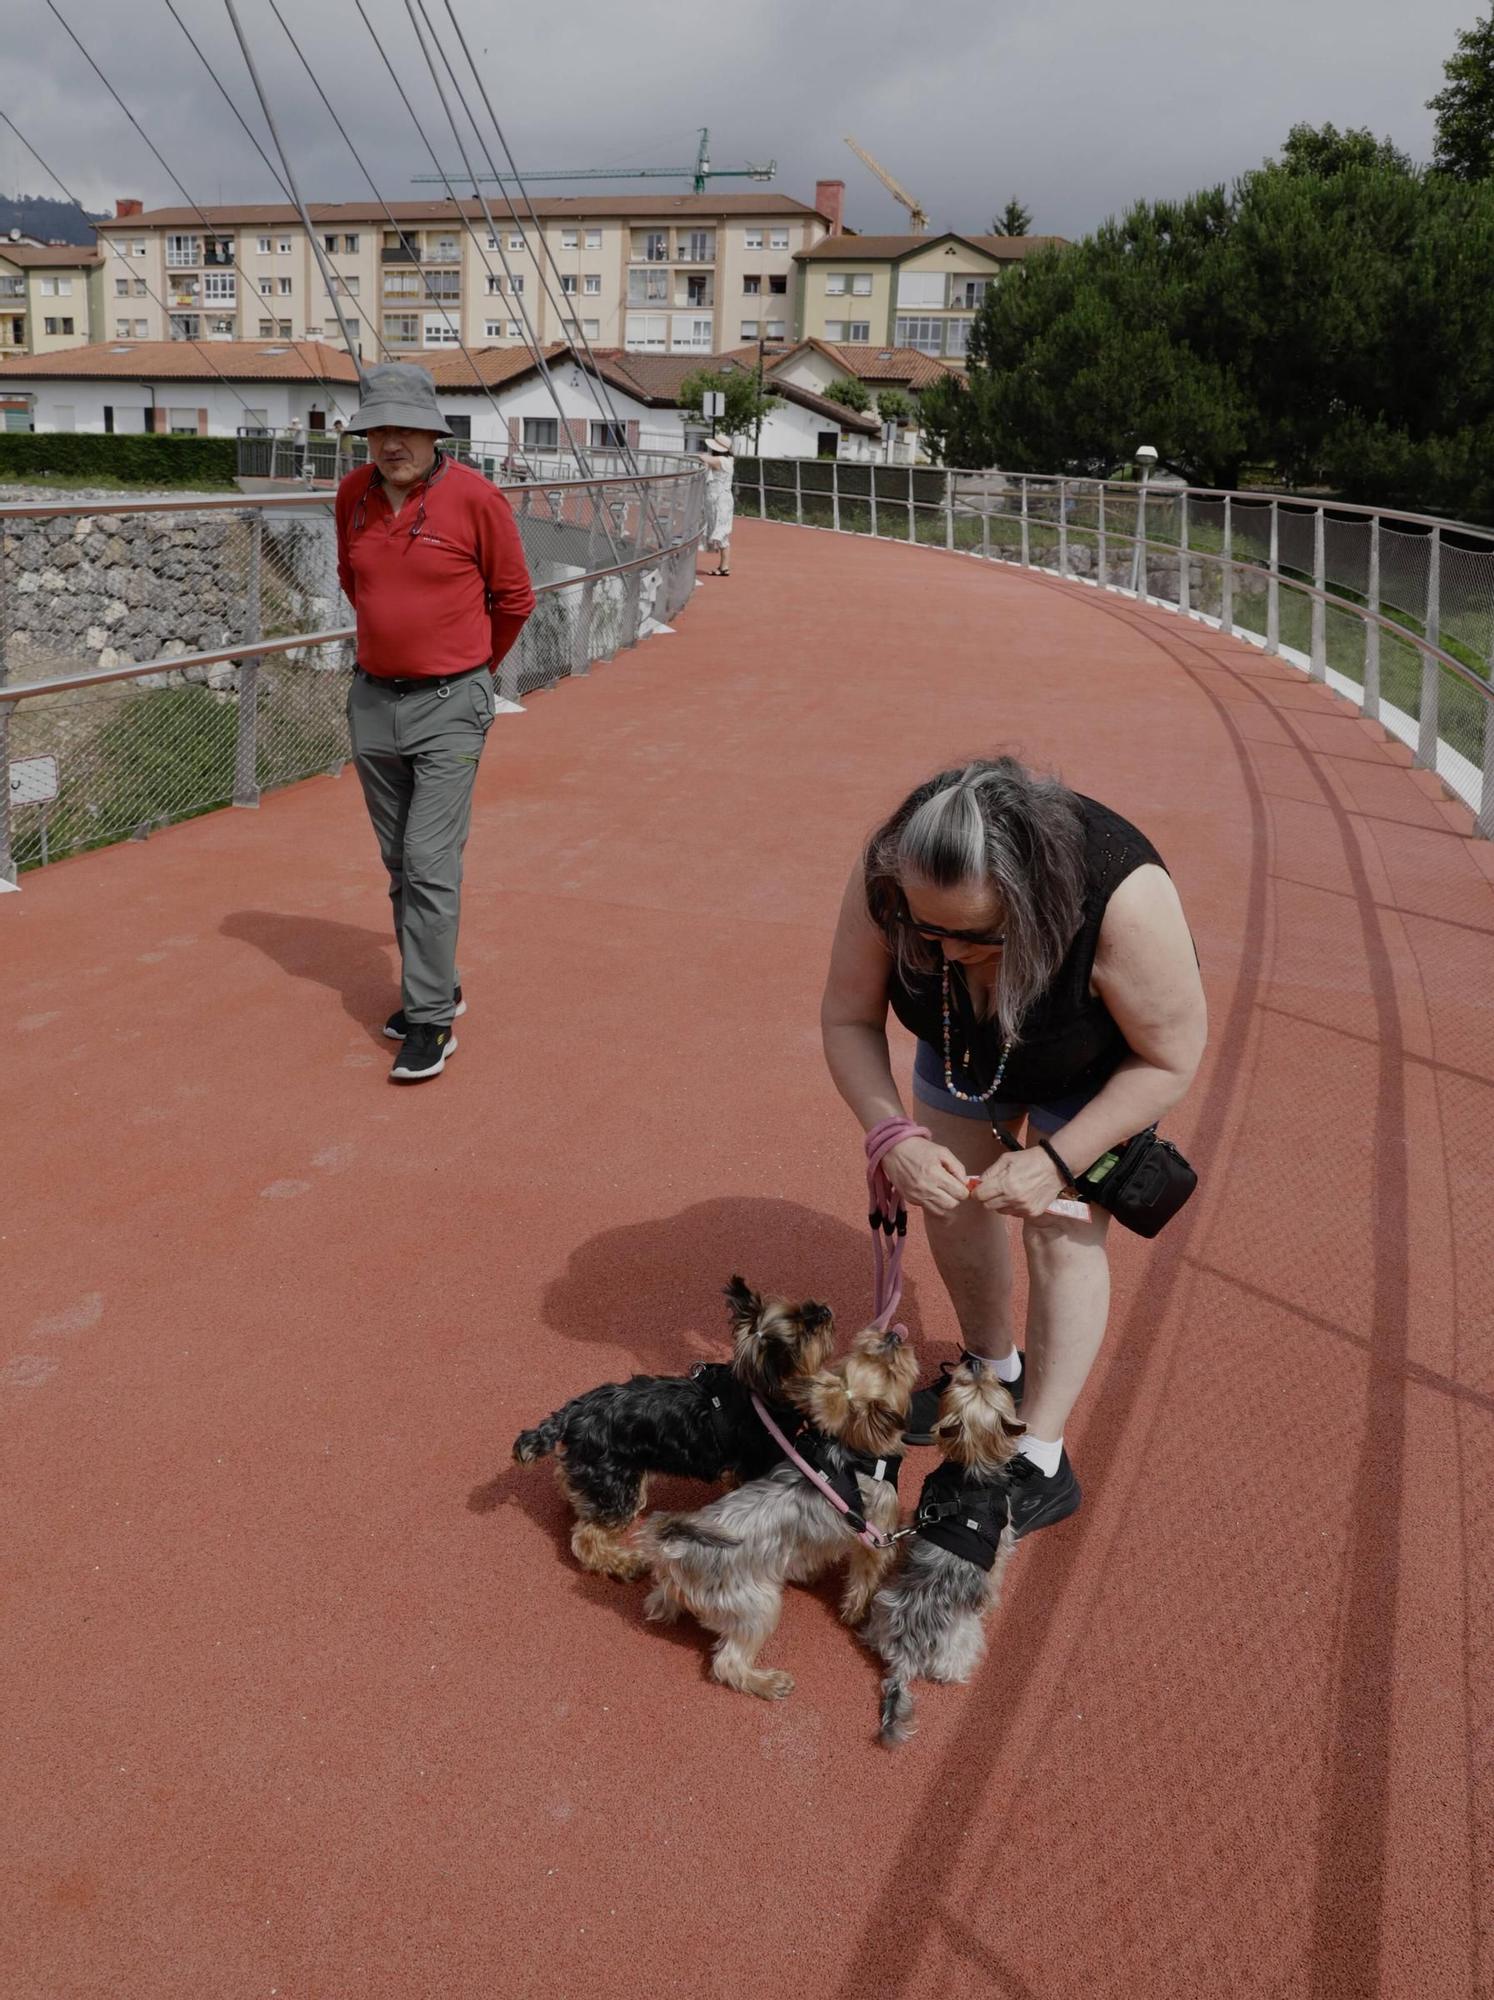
1394	611
161	659
322	457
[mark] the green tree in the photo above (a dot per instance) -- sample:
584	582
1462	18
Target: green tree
1318	150
850	394
745	407
895	406
1464	147
1014	220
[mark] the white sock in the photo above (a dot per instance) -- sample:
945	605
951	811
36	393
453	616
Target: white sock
1007	1366
1044	1453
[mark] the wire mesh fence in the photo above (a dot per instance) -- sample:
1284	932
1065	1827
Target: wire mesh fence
1396	611
130	696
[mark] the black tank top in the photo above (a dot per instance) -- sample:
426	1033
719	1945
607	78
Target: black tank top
1070	1041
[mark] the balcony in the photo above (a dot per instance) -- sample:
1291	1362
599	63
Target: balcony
695	295
12	288
696	249
218	253
400	253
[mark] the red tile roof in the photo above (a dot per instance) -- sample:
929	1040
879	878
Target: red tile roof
51	256
876	364
185	361
247	215
846	249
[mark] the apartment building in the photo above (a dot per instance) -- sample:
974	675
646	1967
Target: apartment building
49	297
919	292
666	274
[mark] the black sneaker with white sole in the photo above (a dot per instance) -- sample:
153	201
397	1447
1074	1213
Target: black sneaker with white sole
923	1410
1035	1501
397	1027
424	1054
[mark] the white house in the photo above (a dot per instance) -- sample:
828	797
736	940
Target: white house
179	388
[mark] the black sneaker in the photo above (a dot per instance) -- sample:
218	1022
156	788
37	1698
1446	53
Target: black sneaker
923	1411
397	1027
424	1054
1037	1501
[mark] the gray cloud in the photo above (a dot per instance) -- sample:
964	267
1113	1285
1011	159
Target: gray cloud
1076	106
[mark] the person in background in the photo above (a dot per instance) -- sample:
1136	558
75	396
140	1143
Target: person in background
720	508
429	557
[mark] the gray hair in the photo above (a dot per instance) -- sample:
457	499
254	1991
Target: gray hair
990	823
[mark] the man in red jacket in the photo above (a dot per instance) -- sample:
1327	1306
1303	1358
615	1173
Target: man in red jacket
429	556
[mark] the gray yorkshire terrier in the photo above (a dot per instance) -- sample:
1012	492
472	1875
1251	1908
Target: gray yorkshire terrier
728	1562
926	1621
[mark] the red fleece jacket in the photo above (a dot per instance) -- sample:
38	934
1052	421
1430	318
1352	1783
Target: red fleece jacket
439	587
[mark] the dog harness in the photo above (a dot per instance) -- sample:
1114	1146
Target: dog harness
962	1515
832	1468
729	1406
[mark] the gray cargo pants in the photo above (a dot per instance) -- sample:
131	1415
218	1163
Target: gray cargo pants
416	750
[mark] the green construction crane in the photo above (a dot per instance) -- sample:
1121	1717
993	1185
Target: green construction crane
698	175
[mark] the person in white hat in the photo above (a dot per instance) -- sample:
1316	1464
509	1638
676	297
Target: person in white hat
720	508
429	557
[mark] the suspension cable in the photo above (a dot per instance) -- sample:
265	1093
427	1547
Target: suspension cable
202	346
175	180
395	225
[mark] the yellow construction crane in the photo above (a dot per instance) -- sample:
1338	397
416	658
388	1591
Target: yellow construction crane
917	215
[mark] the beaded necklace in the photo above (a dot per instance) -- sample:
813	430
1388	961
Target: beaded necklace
967	1096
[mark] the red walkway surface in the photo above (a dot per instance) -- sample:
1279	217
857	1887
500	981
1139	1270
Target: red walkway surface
303	1694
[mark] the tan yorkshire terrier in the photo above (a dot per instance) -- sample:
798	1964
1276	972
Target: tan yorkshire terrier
728	1562
926	1621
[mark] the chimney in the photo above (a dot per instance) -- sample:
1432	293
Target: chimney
830	200
123	208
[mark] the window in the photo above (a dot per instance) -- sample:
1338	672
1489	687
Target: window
182	423
920	289
58	325
283	329
651	245
222	326
957	335
592	284
443	284
283	246
698	246
135	247
591	329
263	245
350	245
492	241
568	239
283	286
515	239
749	329
56	288
568	285
183	250
773	329
439	332
345	288
141	288
220	285
515	329
609	437
835	284
646	288
778	240
924	334
121	288
121	329
858	331
185	326
751	286
402	327
492	329
753	240
967	292
141	327
861	284
495	284
403	285
691	335
355	328
267	329
329	244
646	333
593	239
446	251
541	433
778	284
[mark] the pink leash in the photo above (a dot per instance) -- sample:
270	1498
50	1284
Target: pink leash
888	1218
873	1537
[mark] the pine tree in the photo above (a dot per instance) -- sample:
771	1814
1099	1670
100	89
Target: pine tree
1465	109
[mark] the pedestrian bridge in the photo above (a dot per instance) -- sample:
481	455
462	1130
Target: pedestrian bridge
305	1694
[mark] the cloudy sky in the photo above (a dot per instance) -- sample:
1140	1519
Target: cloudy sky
1076	106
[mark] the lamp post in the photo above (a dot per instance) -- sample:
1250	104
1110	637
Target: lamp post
1146	458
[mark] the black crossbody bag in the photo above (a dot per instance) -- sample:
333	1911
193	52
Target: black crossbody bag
1145	1185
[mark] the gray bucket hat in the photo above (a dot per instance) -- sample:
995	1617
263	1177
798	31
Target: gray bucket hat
398	393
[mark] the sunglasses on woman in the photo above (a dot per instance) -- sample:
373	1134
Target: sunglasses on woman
931	933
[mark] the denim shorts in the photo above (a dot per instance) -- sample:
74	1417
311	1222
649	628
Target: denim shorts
928	1089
